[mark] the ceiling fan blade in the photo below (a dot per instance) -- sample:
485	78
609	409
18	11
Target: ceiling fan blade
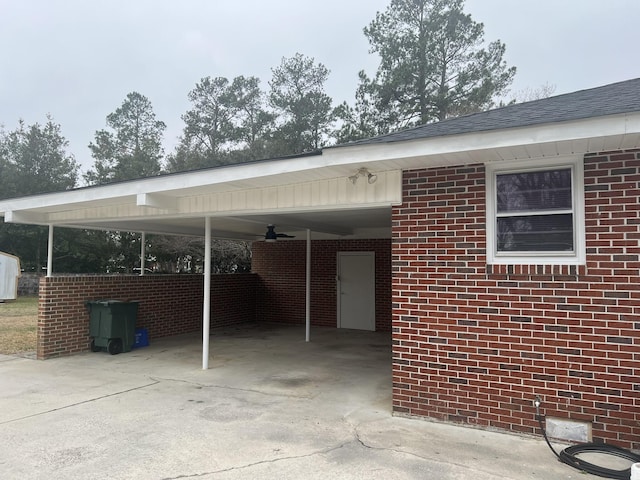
272	236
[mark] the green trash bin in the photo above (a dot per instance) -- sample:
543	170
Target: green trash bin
112	325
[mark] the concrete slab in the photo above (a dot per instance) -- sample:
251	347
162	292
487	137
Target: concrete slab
270	406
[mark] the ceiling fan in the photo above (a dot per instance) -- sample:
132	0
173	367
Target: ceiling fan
272	236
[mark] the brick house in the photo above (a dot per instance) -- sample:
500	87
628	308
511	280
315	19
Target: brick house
500	249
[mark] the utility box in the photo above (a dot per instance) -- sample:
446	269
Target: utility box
112	325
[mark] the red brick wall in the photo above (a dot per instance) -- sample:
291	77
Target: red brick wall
474	343
169	305
282	268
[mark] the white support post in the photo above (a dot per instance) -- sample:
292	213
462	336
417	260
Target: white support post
206	308
50	252
308	289
143	254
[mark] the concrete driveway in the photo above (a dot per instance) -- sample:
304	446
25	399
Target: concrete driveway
270	407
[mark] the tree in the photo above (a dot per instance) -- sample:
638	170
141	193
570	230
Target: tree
33	159
133	149
530	94
187	156
253	122
364	120
209	128
81	251
304	109
227	123
432	64
177	254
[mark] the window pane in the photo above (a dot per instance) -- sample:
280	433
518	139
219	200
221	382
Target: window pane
544	190
543	233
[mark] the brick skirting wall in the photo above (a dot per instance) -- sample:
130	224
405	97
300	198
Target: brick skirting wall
169	305
475	344
281	267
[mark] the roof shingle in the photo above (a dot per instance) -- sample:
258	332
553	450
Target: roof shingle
616	98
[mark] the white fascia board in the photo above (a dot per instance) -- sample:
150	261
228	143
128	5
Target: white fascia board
492	139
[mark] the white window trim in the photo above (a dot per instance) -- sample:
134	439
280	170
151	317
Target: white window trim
578	256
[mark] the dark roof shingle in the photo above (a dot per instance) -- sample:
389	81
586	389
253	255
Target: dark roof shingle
616	98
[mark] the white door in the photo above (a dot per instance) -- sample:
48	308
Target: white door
357	290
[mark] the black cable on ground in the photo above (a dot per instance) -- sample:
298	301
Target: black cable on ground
570	456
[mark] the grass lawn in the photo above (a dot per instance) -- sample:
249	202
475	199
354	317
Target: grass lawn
18	323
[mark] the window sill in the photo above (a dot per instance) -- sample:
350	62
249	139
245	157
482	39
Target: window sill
536	270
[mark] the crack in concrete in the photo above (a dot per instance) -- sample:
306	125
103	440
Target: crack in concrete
168	379
262	462
79	403
357	437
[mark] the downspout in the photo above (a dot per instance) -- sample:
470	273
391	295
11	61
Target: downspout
50	252
206	308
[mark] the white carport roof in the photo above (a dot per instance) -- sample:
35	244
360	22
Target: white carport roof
313	192
295	193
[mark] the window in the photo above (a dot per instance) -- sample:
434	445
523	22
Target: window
535	213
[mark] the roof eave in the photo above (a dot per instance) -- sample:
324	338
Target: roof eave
612	132
585	135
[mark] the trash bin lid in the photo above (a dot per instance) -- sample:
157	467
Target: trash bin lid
107	302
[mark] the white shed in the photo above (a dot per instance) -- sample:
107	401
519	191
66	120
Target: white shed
9	273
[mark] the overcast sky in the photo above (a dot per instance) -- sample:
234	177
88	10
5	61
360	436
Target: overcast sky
78	59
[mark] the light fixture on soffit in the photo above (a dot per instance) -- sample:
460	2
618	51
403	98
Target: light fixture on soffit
363	172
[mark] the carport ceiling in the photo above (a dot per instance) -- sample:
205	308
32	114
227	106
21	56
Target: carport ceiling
363	222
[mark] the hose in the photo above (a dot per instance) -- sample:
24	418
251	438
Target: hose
570	454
